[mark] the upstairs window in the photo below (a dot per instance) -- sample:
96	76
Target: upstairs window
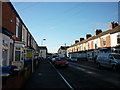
23	34
17	27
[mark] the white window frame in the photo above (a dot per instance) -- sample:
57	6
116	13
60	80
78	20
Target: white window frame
20	53
23	34
17	27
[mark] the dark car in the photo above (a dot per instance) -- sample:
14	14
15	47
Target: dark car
62	62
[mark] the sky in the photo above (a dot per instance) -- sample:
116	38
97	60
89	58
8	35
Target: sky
65	22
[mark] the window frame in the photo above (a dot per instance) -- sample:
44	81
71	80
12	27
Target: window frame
17	27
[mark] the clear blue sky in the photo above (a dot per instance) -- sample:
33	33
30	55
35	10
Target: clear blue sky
64	22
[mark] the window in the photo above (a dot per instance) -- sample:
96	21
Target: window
28	39
23	35
118	39
17	27
104	41
17	54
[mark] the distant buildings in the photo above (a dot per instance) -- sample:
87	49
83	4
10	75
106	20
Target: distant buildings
108	41
43	52
62	51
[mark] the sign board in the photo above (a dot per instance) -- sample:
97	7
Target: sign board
29	53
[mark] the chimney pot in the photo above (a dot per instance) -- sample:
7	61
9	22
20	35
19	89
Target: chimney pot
98	31
81	39
88	35
113	25
76	41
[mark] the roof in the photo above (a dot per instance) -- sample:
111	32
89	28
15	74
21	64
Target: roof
42	47
64	47
110	31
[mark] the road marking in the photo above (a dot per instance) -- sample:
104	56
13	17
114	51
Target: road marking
62	77
83	66
82	69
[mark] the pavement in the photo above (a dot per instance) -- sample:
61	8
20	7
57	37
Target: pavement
45	76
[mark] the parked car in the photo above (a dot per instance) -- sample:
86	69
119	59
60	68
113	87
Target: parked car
61	62
68	59
109	60
73	59
53	58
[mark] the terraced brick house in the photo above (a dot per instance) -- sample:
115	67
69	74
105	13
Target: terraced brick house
107	41
16	38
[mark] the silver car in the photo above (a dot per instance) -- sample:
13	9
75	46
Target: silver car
110	60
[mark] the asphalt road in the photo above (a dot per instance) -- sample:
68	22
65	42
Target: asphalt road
76	75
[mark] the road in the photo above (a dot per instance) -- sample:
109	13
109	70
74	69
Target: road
76	75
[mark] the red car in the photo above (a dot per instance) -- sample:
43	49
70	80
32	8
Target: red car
61	62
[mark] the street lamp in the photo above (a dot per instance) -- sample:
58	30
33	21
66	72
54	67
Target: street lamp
42	45
65	50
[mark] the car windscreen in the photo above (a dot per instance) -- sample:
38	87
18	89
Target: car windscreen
116	56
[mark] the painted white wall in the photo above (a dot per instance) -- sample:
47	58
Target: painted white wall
7	42
43	53
114	39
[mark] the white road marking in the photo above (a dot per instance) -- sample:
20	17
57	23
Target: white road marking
83	66
63	77
82	69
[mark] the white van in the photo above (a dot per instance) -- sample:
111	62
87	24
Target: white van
110	60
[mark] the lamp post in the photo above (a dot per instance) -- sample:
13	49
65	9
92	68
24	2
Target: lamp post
65	50
42	45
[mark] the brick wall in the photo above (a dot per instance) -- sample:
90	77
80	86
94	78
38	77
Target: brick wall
8	17
101	43
9	20
108	44
92	45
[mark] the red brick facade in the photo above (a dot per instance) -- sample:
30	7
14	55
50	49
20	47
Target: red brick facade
108	44
9	20
8	17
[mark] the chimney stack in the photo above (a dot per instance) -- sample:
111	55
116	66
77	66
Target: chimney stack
98	31
76	41
88	35
81	39
113	25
